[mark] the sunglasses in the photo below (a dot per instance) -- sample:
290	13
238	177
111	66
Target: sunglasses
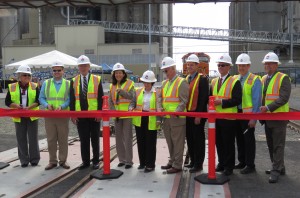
222	65
166	71
25	75
59	70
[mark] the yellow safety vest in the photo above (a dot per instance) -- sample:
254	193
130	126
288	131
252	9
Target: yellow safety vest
120	103
273	91
139	107
247	104
55	98
170	98
14	90
92	92
225	92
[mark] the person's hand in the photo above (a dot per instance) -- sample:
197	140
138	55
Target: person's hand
197	121
263	109
74	120
217	102
58	108
252	123
50	107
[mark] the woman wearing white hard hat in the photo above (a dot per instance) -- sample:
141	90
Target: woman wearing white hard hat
146	126
24	94
121	94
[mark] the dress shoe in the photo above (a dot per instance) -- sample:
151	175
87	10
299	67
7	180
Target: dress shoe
121	164
168	166
219	168
228	172
173	170
96	166
247	170
141	166
65	165
239	166
274	176
83	166
128	166
24	165
282	171
34	164
189	165
196	169
50	166
148	170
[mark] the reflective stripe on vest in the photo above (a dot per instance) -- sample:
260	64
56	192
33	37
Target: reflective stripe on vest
139	107
57	98
273	91
122	104
92	92
193	93
170	99
225	92
14	90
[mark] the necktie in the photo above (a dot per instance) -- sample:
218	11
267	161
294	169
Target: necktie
241	81
219	83
85	85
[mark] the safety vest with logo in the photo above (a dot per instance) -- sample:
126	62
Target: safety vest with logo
139	107
225	92
92	92
121	103
193	93
273	91
247	104
55	98
170	95
14	90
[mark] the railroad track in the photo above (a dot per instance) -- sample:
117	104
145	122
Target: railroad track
70	182
294	124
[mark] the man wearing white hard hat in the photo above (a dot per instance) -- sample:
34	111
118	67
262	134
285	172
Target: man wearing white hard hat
228	95
55	96
251	101
86	95
173	97
146	126
276	94
198	99
24	94
121	93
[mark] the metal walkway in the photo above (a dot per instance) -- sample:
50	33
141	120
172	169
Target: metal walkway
278	38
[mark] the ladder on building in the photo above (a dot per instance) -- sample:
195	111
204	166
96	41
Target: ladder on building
279	38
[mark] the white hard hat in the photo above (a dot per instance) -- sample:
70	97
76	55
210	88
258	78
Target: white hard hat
57	64
82	60
148	76
192	58
24	69
271	57
225	58
243	59
118	66
167	62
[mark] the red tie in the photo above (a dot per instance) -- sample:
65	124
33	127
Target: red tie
219	84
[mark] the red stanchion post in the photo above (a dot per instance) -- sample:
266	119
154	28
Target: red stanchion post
211	140
106	173
106	139
211	177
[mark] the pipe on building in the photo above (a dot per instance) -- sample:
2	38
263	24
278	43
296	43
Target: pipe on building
40	26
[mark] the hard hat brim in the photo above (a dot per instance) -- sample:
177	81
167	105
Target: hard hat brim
148	81
279	63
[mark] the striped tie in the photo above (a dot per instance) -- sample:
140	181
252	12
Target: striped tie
85	85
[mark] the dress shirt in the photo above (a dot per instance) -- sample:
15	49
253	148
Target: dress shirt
147	97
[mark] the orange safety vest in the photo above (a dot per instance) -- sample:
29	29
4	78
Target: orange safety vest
193	93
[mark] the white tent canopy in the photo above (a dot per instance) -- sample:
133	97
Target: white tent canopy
47	59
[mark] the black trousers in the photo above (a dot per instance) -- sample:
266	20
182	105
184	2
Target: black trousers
88	129
225	136
146	143
245	141
195	138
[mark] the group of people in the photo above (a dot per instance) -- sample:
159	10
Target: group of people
245	92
